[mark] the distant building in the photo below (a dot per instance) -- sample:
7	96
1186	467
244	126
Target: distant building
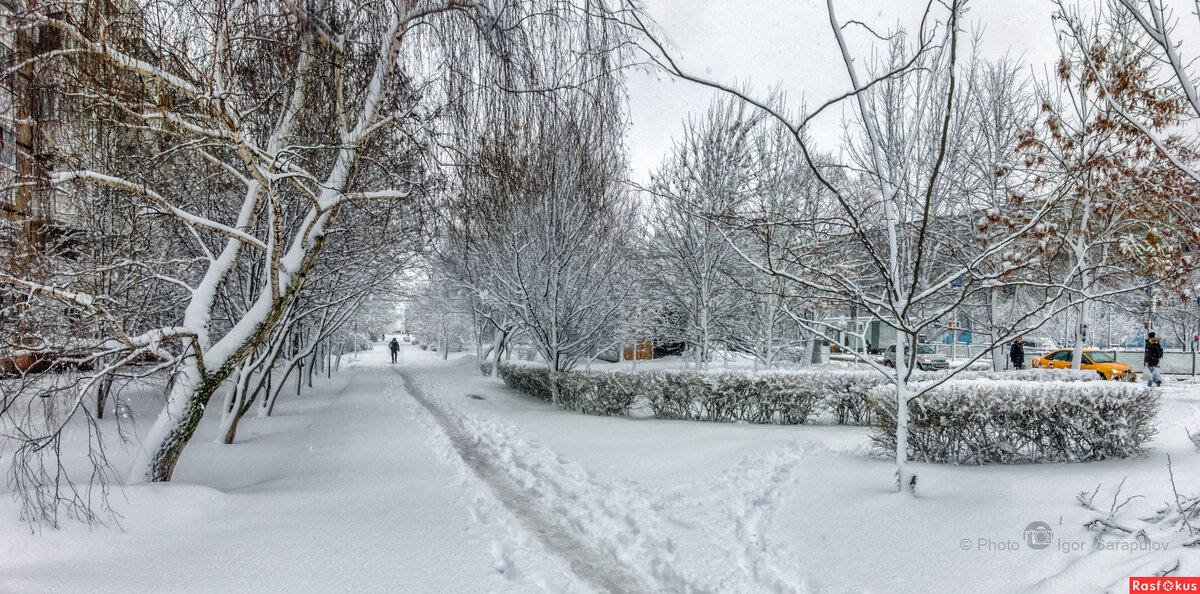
30	122
35	218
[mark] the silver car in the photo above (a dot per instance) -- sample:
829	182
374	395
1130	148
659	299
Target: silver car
927	358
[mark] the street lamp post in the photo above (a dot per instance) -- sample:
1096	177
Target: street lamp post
954	331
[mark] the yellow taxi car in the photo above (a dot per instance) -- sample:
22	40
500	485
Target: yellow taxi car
1093	360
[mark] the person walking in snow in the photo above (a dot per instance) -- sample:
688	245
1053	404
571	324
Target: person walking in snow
1016	354
394	347
1151	358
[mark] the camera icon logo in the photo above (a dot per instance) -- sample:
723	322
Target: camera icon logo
1038	535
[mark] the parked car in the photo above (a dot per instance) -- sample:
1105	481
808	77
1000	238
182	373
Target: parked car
927	358
1093	360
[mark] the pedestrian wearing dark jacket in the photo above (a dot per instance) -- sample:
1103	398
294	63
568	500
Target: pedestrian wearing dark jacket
394	347
1151	358
1016	354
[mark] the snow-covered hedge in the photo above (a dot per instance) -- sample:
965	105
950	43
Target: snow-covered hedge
599	392
1025	375
790	398
591	392
982	421
531	380
836	397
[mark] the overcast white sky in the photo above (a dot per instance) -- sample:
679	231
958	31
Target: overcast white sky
788	42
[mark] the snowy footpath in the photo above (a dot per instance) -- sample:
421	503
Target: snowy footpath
425	477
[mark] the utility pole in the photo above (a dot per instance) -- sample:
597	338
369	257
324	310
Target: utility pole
1150	306
954	331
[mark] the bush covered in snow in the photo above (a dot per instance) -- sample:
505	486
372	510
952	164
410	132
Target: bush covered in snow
1025	375
599	392
790	398
591	392
531	380
982	421
970	421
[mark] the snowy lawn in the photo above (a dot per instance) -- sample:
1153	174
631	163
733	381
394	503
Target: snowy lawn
425	477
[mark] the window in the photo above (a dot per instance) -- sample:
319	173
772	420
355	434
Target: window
1060	356
1101	357
8	140
48	103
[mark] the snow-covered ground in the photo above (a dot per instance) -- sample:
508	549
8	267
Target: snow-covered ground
425	477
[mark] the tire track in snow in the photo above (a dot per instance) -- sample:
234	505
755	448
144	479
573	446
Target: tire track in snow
599	570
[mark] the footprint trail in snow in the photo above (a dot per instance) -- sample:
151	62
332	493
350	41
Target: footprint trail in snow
617	536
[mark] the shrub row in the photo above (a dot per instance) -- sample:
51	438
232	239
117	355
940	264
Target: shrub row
1025	375
975	420
591	392
981	421
791	398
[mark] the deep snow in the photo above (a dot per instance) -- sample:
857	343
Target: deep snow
426	477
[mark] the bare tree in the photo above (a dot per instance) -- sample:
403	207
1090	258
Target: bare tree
993	118
1127	208
251	127
893	238
1154	96
709	171
561	235
534	225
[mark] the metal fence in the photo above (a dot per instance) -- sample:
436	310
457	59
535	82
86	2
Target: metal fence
1173	362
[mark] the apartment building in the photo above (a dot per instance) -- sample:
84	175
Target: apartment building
30	101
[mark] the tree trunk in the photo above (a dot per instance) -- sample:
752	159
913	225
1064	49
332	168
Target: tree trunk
904	474
1080	335
102	392
160	450
999	355
445	339
501	342
233	402
270	380
268	407
312	365
248	401
229	420
555	396
479	354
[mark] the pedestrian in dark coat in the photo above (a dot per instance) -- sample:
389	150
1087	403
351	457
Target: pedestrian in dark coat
394	347
1016	354
1151	358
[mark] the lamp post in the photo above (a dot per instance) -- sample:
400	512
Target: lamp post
1150	305
954	331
